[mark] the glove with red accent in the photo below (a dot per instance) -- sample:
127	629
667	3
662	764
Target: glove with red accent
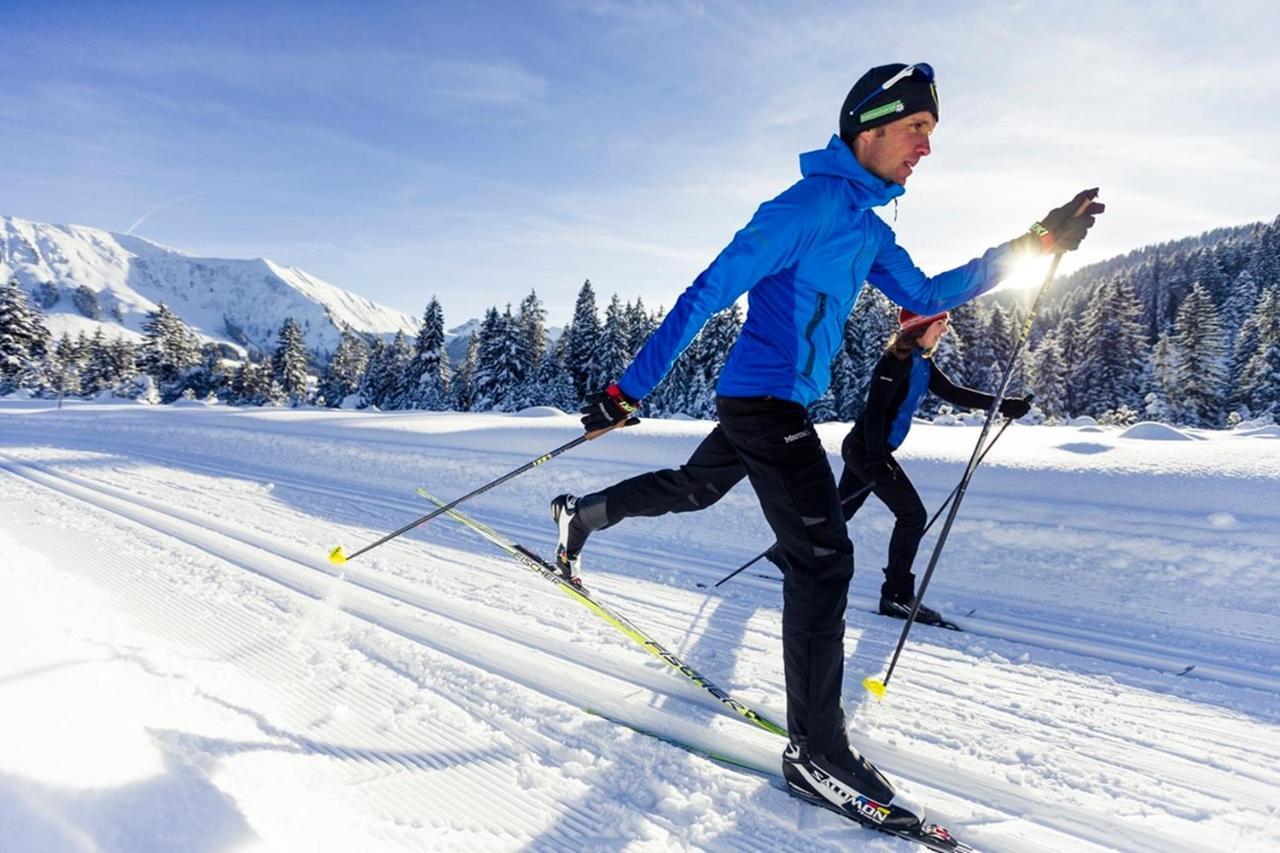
1064	227
607	408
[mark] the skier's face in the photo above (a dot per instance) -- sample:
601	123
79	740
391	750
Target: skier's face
934	333
891	151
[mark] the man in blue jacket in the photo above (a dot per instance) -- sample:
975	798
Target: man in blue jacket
803	258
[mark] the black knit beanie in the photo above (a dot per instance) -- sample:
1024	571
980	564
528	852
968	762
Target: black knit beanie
873	108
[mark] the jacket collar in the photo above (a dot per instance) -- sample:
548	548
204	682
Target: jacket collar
838	161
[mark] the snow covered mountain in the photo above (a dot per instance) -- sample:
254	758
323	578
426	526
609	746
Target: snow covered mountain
86	278
457	338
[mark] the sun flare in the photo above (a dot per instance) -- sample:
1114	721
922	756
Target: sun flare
1026	273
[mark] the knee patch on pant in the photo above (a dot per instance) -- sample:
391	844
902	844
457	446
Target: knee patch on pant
706	496
592	512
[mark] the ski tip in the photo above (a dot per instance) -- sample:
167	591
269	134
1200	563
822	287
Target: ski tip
874	686
337	557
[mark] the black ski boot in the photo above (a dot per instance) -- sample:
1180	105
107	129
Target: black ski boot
902	610
849	785
897	594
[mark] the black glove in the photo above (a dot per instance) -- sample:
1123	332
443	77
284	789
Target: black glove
879	471
1064	227
606	408
1015	407
774	555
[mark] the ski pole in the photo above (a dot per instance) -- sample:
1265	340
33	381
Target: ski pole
766	551
875	686
338	557
748	564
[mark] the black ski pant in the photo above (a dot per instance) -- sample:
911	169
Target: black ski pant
900	496
788	468
712	470
773	442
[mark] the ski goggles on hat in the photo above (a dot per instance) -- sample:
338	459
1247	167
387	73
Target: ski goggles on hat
924	69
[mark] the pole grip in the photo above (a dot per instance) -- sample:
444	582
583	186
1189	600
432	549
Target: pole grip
596	433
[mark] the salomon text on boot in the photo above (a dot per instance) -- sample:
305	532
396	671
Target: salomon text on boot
849	785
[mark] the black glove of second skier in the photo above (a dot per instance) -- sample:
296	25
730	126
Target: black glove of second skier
607	408
1015	407
1064	227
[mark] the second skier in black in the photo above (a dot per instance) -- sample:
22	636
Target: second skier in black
904	374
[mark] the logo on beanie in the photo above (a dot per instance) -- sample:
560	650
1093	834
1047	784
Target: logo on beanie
891	107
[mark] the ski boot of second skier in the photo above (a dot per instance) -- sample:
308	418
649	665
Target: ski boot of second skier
897	594
925	615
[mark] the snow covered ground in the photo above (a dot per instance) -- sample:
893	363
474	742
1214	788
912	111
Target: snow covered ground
181	669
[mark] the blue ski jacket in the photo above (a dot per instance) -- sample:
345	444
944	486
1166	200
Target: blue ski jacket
804	257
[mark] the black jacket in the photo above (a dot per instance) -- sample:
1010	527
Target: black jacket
896	388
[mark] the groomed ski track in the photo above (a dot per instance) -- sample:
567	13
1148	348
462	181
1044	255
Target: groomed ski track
445	688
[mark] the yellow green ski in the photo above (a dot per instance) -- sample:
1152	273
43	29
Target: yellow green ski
536	563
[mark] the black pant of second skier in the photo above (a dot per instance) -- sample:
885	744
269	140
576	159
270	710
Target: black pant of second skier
900	496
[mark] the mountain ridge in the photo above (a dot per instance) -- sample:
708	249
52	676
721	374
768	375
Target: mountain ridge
86	278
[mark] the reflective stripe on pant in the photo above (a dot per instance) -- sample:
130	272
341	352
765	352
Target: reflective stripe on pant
788	469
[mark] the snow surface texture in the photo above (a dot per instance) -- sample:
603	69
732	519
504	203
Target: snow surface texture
183	670
222	300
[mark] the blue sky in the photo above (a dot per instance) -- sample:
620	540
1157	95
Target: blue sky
476	150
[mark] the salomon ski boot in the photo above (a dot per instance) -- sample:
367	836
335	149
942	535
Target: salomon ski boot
849	785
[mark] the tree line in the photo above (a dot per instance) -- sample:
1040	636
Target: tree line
1186	333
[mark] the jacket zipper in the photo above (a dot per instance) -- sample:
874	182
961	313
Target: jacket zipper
808	333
